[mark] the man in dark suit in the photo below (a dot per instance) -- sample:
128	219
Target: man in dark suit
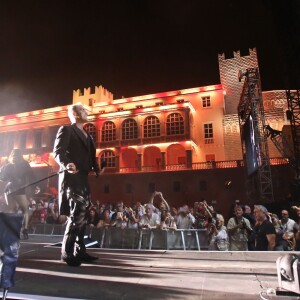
75	152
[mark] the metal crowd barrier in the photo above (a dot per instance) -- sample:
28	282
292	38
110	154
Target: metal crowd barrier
117	238
180	239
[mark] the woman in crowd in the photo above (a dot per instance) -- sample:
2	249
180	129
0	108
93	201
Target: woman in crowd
217	235
279	242
167	221
133	219
92	219
105	220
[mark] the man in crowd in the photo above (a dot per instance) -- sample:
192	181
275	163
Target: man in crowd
265	230
238	229
290	228
149	219
184	219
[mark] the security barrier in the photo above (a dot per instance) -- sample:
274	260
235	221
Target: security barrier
181	239
117	238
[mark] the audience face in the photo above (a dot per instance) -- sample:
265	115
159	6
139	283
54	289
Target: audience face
174	211
260	216
219	221
149	210
184	210
284	215
106	214
238	211
162	206
247	209
275	220
120	207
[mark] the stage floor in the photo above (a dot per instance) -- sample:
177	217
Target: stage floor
139	274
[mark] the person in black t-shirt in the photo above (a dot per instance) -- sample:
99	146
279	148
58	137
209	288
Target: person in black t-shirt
265	230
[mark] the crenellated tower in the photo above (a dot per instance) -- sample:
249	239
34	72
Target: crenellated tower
87	98
229	68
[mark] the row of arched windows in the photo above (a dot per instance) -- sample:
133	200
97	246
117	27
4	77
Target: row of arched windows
129	128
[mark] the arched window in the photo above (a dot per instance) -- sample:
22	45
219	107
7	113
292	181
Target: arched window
91	129
175	124
151	127
129	129
109	157
108	132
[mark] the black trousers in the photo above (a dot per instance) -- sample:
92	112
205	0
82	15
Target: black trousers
73	241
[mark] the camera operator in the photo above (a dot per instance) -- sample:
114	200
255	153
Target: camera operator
185	219
238	230
217	234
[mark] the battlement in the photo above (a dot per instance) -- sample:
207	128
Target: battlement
229	68
88	98
237	54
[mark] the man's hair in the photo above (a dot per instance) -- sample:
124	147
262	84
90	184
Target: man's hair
237	206
15	155
220	217
73	109
150	205
261	208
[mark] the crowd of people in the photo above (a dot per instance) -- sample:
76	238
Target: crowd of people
248	229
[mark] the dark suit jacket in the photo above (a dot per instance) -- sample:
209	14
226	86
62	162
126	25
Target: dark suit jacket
71	146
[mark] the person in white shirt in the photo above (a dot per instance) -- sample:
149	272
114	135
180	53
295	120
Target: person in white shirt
149	219
184	219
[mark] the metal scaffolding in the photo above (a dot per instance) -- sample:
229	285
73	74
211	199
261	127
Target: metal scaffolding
259	184
281	143
293	114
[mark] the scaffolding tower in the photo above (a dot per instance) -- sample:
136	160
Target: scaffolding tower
259	184
293	114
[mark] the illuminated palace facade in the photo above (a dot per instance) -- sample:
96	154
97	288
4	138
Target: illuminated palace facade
183	131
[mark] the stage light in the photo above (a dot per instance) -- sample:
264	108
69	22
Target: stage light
288	272
227	184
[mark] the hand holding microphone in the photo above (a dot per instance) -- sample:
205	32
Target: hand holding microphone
71	168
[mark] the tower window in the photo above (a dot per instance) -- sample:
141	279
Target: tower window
206	102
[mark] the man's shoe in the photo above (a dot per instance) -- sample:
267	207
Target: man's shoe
87	258
71	260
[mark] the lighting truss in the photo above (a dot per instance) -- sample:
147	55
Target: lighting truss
293	99
251	103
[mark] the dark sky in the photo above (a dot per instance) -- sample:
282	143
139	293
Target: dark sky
136	47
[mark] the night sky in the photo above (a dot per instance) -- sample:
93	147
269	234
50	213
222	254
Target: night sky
136	47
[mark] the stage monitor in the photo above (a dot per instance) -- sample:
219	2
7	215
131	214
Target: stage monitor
252	154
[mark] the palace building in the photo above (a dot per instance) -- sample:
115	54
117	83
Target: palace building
164	137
